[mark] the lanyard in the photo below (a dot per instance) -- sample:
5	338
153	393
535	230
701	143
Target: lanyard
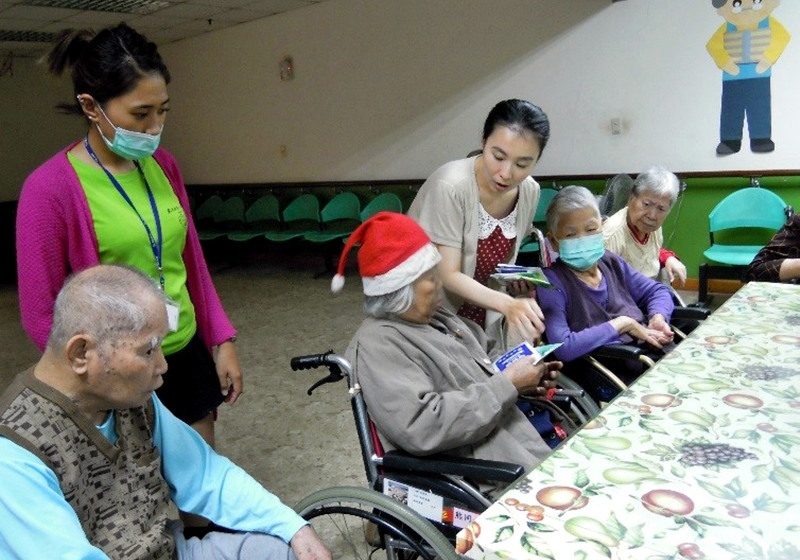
155	245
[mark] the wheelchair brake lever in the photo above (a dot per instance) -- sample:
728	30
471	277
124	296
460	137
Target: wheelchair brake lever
334	376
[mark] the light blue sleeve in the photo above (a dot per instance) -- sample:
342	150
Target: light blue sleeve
36	521
208	484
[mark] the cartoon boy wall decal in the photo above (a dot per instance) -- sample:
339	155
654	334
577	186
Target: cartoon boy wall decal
745	47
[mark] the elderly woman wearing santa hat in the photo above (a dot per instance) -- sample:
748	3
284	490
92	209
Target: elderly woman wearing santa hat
426	374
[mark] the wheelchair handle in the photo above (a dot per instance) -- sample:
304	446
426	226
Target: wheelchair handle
333	362
312	361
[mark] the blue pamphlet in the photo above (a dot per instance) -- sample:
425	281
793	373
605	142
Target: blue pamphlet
522	350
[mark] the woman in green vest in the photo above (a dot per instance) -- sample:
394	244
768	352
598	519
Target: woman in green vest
114	196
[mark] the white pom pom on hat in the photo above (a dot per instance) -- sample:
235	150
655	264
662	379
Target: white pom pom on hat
337	283
394	251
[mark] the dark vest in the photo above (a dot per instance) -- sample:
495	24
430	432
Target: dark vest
583	311
117	491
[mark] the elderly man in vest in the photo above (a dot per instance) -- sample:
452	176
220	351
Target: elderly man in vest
745	47
90	459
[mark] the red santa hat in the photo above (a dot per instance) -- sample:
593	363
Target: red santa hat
394	252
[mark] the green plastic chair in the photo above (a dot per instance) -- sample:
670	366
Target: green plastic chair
384	202
228	216
339	218
300	217
204	215
263	216
751	208
532	243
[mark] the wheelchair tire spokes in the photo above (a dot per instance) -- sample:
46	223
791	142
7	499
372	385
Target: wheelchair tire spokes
341	517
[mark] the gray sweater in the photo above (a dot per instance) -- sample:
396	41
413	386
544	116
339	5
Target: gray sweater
431	388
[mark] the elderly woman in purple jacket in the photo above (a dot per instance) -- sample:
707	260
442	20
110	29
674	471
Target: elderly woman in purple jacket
597	298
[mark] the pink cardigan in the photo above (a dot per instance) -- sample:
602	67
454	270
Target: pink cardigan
56	237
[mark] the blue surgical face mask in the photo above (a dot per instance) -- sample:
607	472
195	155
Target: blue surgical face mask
581	253
129	144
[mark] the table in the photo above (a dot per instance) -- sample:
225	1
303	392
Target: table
699	458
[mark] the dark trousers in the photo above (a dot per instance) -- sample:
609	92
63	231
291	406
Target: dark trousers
749	97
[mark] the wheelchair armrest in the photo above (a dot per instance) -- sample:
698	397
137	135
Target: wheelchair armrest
697	313
476	469
617	352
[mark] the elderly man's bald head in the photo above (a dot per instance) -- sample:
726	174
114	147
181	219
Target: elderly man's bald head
107	302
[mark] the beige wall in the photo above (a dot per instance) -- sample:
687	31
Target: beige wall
30	127
393	89
377	84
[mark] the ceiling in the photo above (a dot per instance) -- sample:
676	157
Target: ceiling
27	27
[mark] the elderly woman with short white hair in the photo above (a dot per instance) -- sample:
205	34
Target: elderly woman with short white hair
634	232
597	298
426	375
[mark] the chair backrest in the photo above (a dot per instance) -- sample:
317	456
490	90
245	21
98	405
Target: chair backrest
232	210
208	208
545	196
389	202
752	207
343	206
304	207
264	209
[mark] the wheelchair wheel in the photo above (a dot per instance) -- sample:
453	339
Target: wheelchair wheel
346	518
582	408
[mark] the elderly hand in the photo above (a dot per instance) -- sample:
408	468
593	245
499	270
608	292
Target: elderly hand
659	324
549	377
528	378
229	371
675	269
306	545
628	325
524	318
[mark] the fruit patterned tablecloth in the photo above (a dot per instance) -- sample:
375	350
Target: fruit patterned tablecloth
700	458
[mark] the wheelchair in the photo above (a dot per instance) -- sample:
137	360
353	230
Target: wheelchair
415	505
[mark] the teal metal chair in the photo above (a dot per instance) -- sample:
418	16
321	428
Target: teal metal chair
229	216
204	215
751	208
263	216
534	243
339	218
384	202
301	216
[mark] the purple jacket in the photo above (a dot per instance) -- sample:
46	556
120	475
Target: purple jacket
578	316
56	237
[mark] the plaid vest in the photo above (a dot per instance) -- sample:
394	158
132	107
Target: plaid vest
117	491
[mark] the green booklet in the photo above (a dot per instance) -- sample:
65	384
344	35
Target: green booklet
506	273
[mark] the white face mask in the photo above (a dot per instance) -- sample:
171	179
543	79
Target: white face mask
128	143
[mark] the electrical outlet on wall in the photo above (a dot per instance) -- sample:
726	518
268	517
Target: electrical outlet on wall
616	126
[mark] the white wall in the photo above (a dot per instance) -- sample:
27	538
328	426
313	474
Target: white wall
387	89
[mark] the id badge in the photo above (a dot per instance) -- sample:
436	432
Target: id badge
173	311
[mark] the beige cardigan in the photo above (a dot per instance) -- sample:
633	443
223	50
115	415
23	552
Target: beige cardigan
446	207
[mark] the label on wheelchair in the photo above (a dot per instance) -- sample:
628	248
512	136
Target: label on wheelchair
429	505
